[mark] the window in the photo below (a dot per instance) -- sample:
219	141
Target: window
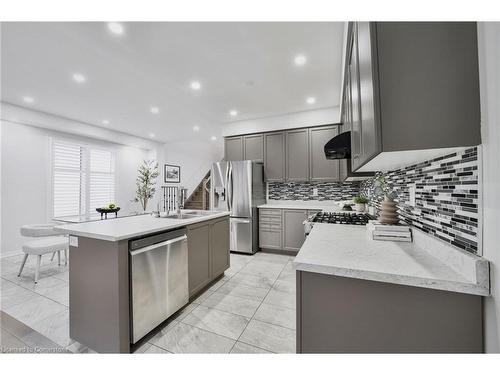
83	179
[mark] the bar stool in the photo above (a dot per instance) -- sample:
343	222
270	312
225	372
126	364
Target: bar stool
49	242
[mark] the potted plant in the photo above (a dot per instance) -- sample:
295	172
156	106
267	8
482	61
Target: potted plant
146	182
388	210
360	203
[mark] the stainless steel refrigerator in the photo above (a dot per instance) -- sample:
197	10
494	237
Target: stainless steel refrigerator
238	187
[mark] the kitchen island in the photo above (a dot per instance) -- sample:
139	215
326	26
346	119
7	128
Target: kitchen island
357	295
100	270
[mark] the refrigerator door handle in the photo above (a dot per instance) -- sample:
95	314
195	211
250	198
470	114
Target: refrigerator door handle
230	187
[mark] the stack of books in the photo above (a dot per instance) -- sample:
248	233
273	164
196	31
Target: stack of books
384	232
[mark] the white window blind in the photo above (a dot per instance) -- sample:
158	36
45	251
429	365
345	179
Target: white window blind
83	179
102	178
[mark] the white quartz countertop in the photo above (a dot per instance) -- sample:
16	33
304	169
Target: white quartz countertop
347	251
129	227
329	206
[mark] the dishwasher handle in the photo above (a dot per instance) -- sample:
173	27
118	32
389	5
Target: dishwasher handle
160	244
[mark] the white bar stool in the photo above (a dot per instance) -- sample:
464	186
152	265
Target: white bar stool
49	242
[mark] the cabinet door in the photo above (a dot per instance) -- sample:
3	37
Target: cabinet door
320	167
199	273
343	162
253	147
274	156
356	124
297	155
233	148
370	132
219	241
293	229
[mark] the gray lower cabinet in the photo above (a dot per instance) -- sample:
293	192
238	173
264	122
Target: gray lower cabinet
253	147
293	229
297	155
274	156
345	315
198	257
281	229
320	168
219	245
270	229
233	148
208	252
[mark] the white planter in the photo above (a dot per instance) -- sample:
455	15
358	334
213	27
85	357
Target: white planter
360	207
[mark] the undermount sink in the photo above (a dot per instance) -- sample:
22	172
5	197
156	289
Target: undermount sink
181	216
198	212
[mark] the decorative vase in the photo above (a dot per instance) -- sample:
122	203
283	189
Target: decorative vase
388	212
360	207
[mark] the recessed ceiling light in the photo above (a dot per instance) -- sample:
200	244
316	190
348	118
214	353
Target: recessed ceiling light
116	28
28	99
213	138
311	100
105	122
300	60
79	78
155	110
196	128
195	85
233	112
152	135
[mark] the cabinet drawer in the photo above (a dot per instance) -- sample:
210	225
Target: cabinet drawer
268	212
271	227
270	239
270	219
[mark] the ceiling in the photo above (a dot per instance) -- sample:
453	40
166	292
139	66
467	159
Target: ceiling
244	66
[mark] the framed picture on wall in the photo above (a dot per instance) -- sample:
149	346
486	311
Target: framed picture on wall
172	173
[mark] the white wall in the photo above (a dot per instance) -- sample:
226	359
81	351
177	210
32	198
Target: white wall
489	60
322	116
26	177
195	157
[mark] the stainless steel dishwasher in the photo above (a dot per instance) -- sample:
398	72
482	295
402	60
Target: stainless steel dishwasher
159	279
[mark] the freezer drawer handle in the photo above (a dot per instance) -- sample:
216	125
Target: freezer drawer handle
157	245
240	221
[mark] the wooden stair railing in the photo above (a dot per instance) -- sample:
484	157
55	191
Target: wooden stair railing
200	198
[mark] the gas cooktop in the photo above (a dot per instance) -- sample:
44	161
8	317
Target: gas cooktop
342	218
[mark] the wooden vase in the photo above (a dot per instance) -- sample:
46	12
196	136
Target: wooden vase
388	212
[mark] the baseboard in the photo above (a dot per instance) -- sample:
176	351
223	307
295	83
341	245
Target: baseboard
10	253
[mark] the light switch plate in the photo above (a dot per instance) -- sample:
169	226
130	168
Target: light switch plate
73	241
412	195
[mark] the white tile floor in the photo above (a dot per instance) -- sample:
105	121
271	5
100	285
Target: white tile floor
250	310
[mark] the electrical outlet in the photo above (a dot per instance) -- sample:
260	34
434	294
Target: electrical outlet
412	195
315	192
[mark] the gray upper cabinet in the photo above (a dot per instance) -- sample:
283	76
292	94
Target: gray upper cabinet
274	156
320	168
293	229
233	148
410	86
253	147
297	155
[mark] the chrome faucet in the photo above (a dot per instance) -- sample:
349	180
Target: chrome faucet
180	198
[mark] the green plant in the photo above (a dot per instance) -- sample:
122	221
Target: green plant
145	182
360	200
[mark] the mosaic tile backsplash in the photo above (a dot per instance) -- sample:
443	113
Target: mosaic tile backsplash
446	197
304	190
